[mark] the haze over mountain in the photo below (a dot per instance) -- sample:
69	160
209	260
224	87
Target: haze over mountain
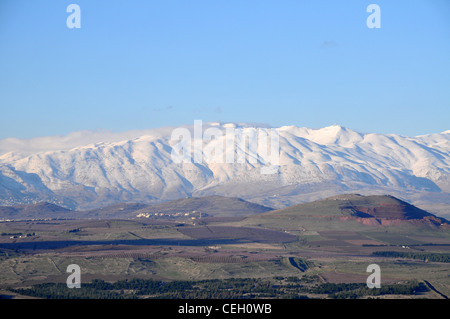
313	164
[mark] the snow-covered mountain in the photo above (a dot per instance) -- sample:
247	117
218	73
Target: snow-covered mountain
141	167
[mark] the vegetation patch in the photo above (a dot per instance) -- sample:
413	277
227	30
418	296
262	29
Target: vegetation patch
434	257
233	288
299	263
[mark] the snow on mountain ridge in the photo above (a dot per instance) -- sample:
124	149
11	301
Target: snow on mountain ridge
141	168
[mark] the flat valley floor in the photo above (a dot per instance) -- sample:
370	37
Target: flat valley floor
291	262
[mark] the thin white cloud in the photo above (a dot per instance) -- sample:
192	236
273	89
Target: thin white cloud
67	142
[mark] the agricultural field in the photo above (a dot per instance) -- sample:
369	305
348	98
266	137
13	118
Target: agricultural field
325	240
115	250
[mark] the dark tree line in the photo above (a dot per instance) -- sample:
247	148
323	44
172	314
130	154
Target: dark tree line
436	257
234	288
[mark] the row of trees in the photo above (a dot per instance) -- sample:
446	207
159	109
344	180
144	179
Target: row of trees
354	290
235	288
436	257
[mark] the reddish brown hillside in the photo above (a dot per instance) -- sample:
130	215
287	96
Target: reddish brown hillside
388	210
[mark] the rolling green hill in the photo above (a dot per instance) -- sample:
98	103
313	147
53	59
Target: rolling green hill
212	206
350	212
217	206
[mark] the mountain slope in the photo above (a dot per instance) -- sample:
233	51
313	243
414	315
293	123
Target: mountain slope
333	212
213	206
217	206
41	210
313	163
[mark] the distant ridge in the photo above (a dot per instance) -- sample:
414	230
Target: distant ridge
375	210
217	206
41	210
212	206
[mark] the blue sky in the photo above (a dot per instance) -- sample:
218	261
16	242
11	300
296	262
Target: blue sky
146	64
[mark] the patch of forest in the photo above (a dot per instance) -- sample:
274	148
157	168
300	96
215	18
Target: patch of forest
434	257
234	288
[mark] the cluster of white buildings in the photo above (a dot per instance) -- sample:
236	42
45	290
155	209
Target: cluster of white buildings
195	214
21	236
